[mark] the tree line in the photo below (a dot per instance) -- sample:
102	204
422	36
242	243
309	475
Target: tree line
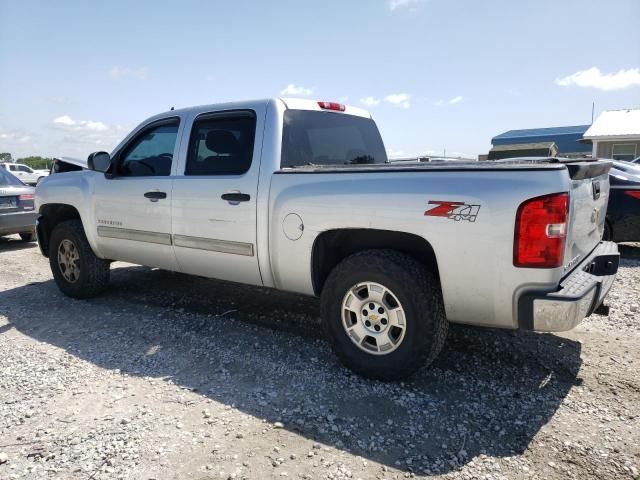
35	162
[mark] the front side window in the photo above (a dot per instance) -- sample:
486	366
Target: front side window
624	151
151	153
23	168
221	145
326	138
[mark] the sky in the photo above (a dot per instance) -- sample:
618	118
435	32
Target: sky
437	75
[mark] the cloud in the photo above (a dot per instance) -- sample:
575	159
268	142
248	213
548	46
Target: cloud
399	99
370	101
117	72
392	153
86	135
297	91
594	78
396	4
65	122
451	101
12	137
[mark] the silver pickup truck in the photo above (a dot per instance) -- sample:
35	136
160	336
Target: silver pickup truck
298	195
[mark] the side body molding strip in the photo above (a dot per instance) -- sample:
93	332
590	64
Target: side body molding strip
198	243
223	246
135	235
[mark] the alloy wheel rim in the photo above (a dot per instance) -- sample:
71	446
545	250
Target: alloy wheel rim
373	318
68	261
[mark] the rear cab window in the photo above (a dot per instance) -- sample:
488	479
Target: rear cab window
329	139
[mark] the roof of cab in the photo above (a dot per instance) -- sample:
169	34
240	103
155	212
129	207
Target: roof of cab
290	103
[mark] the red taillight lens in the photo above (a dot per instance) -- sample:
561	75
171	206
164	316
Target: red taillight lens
26	196
338	107
541	231
633	193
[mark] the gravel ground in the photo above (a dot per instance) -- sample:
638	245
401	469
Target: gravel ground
171	377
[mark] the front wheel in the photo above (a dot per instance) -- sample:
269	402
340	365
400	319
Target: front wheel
384	314
77	271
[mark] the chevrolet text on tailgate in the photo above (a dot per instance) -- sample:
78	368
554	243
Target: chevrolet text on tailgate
298	195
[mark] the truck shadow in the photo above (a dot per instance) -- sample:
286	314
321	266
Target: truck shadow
9	244
262	351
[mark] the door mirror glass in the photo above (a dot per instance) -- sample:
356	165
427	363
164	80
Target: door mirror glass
99	161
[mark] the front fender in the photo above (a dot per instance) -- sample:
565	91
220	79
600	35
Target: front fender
73	189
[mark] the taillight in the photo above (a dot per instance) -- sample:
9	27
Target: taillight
541	231
633	193
26	196
338	107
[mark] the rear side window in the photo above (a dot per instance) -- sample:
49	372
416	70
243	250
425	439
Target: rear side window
325	138
6	179
221	144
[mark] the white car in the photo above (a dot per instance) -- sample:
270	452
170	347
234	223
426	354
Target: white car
25	173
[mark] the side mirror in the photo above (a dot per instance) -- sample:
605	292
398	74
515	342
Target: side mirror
99	162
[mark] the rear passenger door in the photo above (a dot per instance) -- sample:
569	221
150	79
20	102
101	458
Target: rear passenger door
214	197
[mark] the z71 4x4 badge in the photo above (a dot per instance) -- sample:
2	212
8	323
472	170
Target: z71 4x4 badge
453	210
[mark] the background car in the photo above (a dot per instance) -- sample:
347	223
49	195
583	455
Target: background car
25	173
17	214
623	212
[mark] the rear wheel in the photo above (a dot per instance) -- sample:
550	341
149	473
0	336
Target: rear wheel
28	237
78	272
384	314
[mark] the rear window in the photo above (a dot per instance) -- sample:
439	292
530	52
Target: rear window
325	138
6	179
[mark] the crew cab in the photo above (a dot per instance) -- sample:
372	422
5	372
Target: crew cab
25	173
298	195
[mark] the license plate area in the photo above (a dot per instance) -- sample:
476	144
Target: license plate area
8	202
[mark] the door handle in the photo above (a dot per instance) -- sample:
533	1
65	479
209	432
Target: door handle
155	196
236	197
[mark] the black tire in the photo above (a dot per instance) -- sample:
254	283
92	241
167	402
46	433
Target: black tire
28	237
417	290
94	272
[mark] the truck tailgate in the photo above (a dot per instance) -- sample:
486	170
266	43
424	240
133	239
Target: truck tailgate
589	196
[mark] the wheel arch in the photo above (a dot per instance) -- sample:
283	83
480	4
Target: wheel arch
51	214
333	246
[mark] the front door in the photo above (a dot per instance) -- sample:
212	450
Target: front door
214	198
132	205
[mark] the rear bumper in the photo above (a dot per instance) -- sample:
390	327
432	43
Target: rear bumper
578	296
18	222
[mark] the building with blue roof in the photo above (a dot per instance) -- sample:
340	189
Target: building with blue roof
566	139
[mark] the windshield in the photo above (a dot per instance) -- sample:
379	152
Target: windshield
6	179
325	138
